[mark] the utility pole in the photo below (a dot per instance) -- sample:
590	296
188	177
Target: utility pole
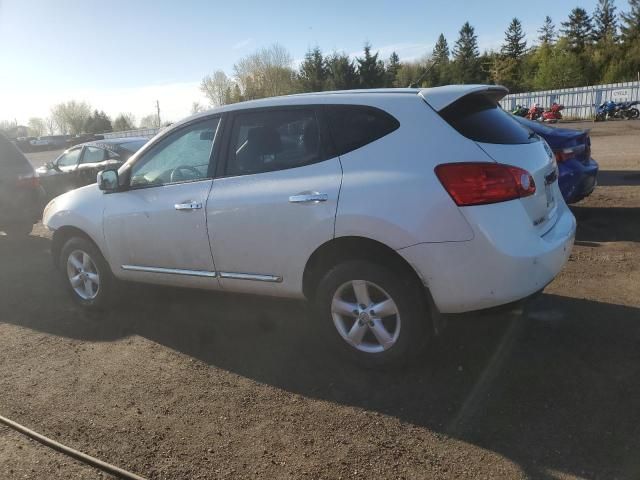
158	110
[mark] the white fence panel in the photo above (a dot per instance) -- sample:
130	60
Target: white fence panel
579	102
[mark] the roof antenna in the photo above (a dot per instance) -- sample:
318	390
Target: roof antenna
417	82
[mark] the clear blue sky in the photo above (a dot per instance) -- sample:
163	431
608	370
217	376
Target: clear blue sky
114	51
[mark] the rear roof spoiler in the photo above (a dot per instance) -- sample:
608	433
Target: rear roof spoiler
441	97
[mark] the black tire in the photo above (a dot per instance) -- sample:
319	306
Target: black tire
416	327
106	289
633	113
16	230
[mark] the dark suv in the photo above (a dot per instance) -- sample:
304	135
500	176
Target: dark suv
21	196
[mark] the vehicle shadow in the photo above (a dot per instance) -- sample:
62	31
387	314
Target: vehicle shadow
564	399
616	178
607	224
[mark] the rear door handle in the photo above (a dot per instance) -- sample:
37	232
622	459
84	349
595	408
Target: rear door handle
311	197
188	206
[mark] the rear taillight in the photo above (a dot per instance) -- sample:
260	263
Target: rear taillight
564	154
30	180
482	183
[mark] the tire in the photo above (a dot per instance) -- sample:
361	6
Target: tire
15	230
96	287
633	113
407	330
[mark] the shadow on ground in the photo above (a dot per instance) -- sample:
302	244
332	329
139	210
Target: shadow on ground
565	398
607	224
618	178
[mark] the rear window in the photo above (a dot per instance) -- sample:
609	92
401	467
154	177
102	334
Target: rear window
354	126
133	146
480	118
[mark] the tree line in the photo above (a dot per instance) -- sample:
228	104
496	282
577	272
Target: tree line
75	117
585	49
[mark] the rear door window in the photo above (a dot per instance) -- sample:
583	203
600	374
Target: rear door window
94	155
480	118
270	140
354	126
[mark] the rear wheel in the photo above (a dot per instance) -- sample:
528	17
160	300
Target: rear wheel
87	275
372	313
633	113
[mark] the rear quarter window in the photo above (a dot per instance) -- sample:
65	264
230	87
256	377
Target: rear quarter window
480	118
354	126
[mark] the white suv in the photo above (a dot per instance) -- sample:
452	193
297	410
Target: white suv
377	206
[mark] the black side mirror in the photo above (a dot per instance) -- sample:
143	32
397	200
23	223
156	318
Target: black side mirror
108	180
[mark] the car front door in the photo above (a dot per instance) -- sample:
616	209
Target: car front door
94	159
274	200
60	178
155	230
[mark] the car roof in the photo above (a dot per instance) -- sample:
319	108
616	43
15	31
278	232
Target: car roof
110	142
437	97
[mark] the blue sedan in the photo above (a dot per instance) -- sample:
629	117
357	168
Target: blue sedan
572	148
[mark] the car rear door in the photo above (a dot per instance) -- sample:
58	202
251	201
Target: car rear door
274	201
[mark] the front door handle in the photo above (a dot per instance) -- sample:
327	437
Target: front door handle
309	197
188	206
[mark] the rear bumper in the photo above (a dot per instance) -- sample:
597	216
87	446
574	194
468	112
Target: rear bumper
504	263
23	207
577	180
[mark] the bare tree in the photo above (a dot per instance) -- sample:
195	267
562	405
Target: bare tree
216	87
149	121
265	73
50	125
37	126
71	117
197	107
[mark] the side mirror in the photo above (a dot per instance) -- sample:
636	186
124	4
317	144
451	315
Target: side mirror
52	166
108	180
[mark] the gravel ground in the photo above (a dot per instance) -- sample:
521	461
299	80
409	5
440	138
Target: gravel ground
179	385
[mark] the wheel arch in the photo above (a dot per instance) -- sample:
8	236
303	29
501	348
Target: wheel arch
346	248
62	235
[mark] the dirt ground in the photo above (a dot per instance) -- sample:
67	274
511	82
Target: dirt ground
180	385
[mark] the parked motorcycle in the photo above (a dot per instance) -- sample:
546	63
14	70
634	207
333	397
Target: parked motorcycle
520	111
612	110
535	112
629	110
553	114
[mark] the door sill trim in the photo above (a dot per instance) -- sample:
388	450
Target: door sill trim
250	276
171	271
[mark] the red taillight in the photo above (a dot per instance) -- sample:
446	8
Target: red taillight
565	154
482	183
28	181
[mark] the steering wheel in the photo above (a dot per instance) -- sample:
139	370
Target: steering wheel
176	174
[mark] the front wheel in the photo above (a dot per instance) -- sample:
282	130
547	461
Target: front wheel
87	276
372	313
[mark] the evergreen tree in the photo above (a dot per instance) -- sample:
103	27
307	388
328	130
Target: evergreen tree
341	71
547	32
467	68
441	50
98	122
578	29
391	69
313	71
606	23
631	22
370	69
440	73
514	43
